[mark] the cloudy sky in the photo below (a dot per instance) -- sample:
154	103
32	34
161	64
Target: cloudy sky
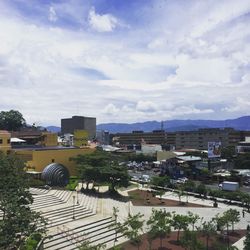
125	60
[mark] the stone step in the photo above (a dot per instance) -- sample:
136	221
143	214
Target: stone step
68	213
88	213
60	210
77	234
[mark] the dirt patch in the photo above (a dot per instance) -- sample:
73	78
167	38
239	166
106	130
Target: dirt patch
147	198
170	243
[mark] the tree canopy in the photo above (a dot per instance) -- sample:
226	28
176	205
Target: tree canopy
18	221
132	228
11	120
99	167
159	224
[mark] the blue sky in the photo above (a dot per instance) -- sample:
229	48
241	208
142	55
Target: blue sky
125	60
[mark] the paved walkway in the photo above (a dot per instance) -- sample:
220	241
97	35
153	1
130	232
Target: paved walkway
240	243
103	207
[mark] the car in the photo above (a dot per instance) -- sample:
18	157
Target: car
247	183
182	180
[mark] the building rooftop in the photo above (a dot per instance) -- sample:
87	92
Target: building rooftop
39	148
189	158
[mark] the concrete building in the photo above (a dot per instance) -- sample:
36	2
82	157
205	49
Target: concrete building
138	137
69	125
244	146
102	137
181	139
37	157
199	139
5	145
150	149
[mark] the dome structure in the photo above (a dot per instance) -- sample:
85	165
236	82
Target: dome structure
55	174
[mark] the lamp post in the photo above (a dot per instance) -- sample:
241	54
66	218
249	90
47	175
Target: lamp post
73	217
77	201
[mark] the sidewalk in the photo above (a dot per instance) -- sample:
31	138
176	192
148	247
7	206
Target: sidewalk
240	243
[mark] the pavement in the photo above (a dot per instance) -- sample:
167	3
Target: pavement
104	208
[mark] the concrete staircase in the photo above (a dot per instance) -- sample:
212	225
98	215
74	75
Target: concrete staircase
96	233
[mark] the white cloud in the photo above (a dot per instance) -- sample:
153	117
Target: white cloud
52	14
168	65
102	23
147	106
110	109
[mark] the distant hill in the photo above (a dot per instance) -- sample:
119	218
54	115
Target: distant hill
53	129
241	123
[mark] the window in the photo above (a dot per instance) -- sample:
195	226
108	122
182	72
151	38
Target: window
8	141
1	141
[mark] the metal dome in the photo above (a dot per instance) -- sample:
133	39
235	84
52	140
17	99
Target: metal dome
56	175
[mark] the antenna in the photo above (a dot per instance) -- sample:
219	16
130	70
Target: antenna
162	125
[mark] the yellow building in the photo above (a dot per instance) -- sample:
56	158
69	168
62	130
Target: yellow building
38	158
80	137
49	139
5	141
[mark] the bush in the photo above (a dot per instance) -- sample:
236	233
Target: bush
32	242
73	182
36	182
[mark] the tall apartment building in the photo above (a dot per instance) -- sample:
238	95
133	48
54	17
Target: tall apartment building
138	137
183	139
69	125
199	139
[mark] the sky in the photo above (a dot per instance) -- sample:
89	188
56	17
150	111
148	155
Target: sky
125	60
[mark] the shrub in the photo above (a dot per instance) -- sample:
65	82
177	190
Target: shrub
32	242
73	182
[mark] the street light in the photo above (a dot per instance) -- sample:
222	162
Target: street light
77	201
73	207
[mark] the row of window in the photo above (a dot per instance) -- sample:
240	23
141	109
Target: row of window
1	141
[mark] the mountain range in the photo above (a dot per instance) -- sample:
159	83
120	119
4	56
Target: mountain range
241	123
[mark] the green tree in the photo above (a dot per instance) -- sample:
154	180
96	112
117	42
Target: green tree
179	222
115	175
115	224
86	246
232	216
159	224
201	189
132	228
189	186
228	153
246	200
208	229
189	240
18	221
11	120
180	193
160	181
242	161
101	166
193	218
